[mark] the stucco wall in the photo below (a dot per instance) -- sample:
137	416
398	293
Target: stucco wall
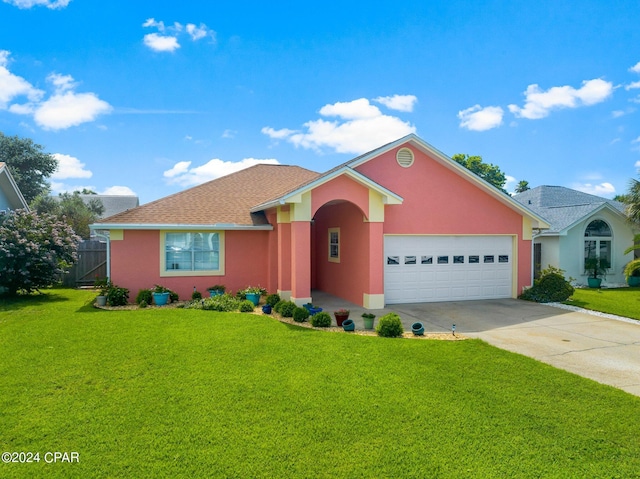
439	201
135	263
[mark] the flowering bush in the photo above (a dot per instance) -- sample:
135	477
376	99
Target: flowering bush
35	249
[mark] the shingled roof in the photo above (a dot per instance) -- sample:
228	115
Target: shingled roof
223	201
563	207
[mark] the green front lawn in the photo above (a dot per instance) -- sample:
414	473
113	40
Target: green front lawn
184	393
620	301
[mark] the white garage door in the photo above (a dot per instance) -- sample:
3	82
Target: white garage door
421	269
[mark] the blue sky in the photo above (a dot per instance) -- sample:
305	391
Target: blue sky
154	97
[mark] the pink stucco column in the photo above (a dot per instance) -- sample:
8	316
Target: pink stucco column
375	281
284	258
301	262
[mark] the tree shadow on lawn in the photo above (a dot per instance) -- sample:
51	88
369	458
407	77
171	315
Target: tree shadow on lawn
15	303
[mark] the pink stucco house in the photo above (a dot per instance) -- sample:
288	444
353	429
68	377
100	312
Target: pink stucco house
402	223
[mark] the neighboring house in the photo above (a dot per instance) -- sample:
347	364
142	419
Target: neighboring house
113	204
402	223
10	196
582	225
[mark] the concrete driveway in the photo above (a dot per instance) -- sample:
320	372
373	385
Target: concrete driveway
603	349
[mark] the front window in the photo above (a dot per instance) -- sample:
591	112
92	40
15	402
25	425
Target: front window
597	241
191	252
334	245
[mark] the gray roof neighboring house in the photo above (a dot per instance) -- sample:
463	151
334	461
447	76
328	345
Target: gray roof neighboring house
113	204
564	207
10	193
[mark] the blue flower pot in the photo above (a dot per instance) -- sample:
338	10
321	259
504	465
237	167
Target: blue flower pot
633	281
313	311
348	325
417	329
215	292
266	309
160	298
254	298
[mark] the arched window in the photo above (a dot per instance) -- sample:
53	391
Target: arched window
597	241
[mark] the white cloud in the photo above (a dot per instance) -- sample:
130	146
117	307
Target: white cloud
635	68
69	167
61	83
161	43
229	133
12	86
636	144
477	118
69	109
360	128
182	174
167	38
603	189
52	4
398	102
118	191
637	165
617	113
539	103
632	86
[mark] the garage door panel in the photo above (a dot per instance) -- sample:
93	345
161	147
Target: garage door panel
446	268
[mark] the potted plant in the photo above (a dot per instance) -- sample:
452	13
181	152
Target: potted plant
348	325
103	286
632	272
368	320
312	309
341	315
160	295
595	267
253	293
216	290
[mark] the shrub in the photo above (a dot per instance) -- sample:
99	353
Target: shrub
390	326
144	295
223	303
273	299
287	308
196	295
321	320
550	287
35	249
173	296
117	296
278	306
300	315
246	306
143	304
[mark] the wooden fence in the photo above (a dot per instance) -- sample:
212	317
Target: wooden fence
92	264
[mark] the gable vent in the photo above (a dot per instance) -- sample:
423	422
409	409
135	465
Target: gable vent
404	157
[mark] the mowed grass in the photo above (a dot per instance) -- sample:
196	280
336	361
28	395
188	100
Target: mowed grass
182	393
619	301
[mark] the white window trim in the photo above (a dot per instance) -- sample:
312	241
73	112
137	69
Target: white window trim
184	273
333	259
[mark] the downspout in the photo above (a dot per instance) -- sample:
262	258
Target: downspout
105	234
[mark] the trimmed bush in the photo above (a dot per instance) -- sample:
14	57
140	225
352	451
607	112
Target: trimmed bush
287	308
196	295
551	287
300	315
272	300
117	296
173	296
321	320
144	295
246	306
143	304
390	326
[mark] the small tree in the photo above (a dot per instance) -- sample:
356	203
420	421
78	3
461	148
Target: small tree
34	250
72	209
522	186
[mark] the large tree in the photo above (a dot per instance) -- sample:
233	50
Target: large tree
71	208
632	200
29	165
488	172
34	250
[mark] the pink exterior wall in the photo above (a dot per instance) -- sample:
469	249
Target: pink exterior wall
439	201
340	188
348	279
135	263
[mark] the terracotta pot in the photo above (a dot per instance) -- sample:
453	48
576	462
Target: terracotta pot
340	318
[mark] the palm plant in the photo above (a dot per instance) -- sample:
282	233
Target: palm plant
633	267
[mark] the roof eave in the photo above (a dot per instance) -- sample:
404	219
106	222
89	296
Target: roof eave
179	227
18	198
603	206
